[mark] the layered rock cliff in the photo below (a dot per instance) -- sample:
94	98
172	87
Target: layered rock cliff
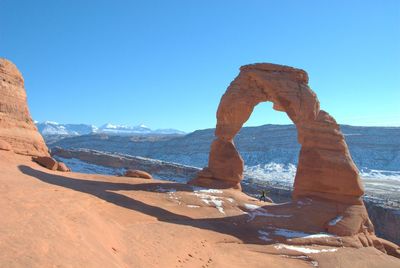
16	125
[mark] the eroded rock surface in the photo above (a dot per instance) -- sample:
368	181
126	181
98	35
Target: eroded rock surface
16	125
325	168
325	171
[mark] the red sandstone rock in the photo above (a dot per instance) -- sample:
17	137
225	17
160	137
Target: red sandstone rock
46	161
63	167
5	146
325	172
138	174
16	125
325	169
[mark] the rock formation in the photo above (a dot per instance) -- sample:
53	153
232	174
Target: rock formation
326	174
16	125
46	161
138	174
325	168
63	167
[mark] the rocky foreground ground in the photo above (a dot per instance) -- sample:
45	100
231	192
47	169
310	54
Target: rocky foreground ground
58	219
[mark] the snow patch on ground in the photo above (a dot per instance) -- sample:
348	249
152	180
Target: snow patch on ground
263	235
298	234
275	173
230	199
304	249
320	235
290	233
335	220
261	212
198	189
251	206
383	175
210	199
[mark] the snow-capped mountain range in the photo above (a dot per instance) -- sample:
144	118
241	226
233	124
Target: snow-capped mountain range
49	128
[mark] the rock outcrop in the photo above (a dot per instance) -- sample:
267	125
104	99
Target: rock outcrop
16	125
326	173
63	167
50	163
138	174
46	161
325	168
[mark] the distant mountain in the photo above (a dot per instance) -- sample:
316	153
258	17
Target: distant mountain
135	130
49	128
373	148
55	131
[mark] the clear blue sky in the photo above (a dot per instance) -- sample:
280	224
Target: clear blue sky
167	63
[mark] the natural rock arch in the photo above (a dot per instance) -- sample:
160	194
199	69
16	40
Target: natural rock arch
325	168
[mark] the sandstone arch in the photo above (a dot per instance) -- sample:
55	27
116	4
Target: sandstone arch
325	168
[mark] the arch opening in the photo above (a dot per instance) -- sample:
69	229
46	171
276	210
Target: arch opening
269	151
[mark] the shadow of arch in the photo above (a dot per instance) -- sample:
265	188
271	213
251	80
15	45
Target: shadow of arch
325	168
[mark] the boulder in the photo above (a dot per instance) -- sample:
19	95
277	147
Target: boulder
16	125
46	161
138	174
63	167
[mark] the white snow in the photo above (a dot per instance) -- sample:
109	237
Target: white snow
335	220
193	206
211	191
132	130
304	249
263	235
251	206
298	234
320	235
211	200
276	173
376	174
290	233
261	212
230	199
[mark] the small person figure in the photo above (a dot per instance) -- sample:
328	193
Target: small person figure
264	197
